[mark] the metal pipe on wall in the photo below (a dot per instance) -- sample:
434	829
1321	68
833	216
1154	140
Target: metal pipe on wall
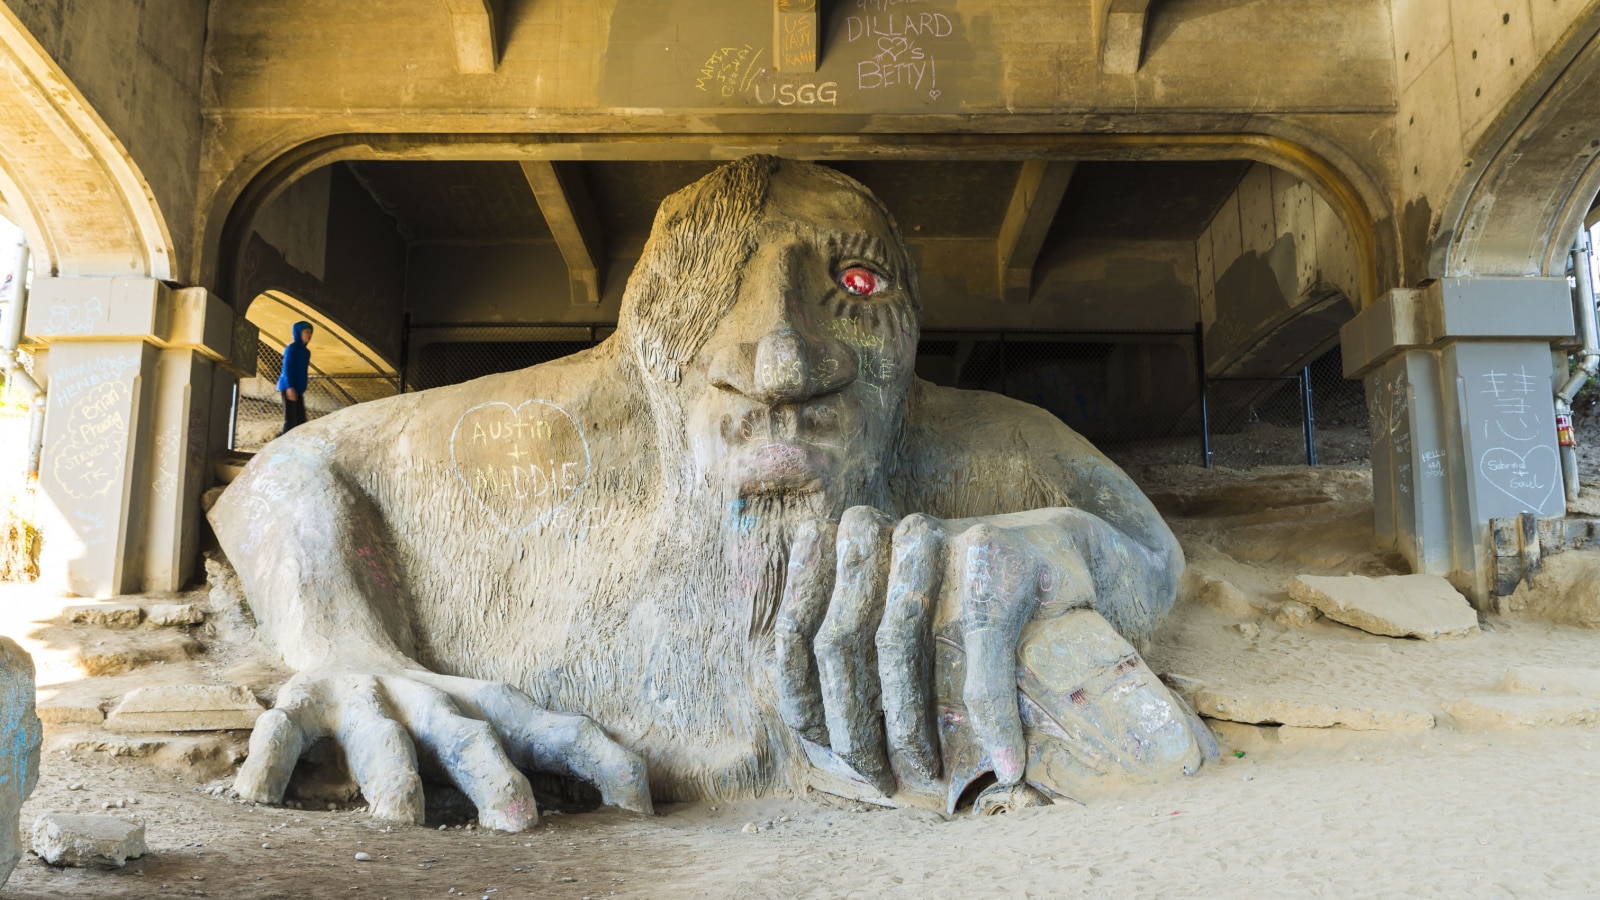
17	377
1588	363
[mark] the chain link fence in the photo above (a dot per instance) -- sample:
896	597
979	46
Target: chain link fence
1114	388
437	355
1313	417
1132	393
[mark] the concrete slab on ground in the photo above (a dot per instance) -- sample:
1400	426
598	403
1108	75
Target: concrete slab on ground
1520	712
1267	706
186	707
1419	606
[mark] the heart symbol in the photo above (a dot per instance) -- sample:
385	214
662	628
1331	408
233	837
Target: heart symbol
1528	478
935	94
892	47
522	464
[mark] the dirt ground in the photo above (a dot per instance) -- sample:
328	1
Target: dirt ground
1436	815
1453	810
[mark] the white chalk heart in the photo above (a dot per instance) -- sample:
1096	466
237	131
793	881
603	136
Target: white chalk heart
521	463
1529	478
892	47
935	94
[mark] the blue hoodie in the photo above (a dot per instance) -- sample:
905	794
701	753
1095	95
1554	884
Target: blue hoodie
296	359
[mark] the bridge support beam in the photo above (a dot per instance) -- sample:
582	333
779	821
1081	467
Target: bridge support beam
134	370
1459	384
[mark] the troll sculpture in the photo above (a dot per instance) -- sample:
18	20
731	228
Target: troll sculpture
736	548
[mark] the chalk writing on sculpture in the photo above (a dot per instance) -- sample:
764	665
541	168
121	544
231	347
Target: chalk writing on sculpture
669	645
521	463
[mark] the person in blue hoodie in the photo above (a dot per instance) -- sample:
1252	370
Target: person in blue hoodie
292	381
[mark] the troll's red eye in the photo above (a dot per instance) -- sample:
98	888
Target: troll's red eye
860	281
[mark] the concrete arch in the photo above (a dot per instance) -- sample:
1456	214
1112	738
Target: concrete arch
1290	341
69	182
1359	202
343	351
1519	205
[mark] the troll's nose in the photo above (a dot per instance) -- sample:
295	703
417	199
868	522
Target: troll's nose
782	367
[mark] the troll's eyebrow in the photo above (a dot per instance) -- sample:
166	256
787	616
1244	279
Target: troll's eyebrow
838	244
858	244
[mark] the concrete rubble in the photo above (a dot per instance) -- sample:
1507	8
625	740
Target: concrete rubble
106	615
71	711
186	707
84	841
136	649
1414	606
19	749
174	615
1294	614
1225	597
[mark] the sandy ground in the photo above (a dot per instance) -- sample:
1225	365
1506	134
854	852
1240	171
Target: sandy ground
1442	815
1448	811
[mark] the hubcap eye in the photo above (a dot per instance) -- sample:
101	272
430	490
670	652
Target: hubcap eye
860	281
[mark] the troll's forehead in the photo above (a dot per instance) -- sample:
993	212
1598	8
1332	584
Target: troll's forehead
688	276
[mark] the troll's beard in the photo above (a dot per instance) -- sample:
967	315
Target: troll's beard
715	730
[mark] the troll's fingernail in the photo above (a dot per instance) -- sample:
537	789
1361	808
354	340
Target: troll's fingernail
1007	766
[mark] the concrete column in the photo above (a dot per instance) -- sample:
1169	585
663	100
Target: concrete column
1459	388
131	368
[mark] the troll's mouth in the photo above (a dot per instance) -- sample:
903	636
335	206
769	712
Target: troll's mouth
767	467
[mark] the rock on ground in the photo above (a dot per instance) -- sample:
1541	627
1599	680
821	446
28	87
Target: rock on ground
169	615
1420	606
1225	597
186	707
1294	614
19	749
63	840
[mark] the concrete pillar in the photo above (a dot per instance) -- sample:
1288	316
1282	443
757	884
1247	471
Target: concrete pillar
130	373
1459	388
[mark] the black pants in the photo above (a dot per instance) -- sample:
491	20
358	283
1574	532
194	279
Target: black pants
294	412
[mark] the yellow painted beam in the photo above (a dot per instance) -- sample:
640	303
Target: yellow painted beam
794	35
1034	202
475	28
564	199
